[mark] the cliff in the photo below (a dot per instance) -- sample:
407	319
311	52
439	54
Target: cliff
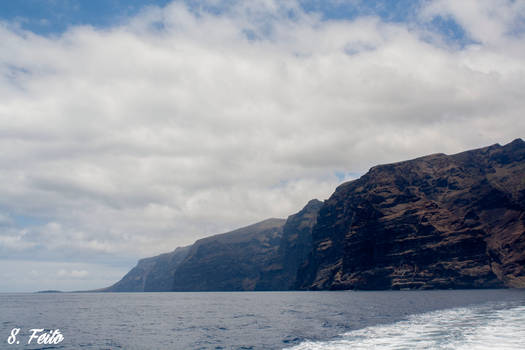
294	248
262	256
434	222
230	261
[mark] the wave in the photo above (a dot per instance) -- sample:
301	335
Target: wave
488	326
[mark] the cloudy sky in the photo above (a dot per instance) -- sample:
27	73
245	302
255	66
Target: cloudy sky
131	127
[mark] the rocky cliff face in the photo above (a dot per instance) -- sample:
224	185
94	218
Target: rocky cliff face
293	248
434	222
160	276
264	256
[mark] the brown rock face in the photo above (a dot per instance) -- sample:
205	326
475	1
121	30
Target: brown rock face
434	222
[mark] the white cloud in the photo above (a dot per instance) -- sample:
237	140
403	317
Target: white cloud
72	273
135	139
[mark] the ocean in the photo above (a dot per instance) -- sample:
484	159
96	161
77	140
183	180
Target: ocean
460	319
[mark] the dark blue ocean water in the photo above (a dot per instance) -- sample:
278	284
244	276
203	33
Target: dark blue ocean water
270	320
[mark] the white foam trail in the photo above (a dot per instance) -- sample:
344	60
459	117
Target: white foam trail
480	327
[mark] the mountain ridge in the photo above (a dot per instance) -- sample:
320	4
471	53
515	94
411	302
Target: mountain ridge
433	222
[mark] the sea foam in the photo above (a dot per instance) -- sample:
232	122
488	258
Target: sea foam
490	326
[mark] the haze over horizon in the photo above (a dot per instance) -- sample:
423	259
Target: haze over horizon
131	128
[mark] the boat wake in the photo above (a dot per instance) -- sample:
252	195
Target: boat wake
488	326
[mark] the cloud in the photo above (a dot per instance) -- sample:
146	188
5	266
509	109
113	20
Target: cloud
72	273
487	21
31	276
132	140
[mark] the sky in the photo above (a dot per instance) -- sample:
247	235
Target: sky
129	128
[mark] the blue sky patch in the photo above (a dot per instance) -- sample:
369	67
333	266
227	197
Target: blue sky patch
51	17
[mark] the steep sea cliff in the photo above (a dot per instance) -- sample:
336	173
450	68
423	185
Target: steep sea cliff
435	222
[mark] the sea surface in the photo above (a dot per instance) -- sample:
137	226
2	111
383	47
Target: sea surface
462	319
